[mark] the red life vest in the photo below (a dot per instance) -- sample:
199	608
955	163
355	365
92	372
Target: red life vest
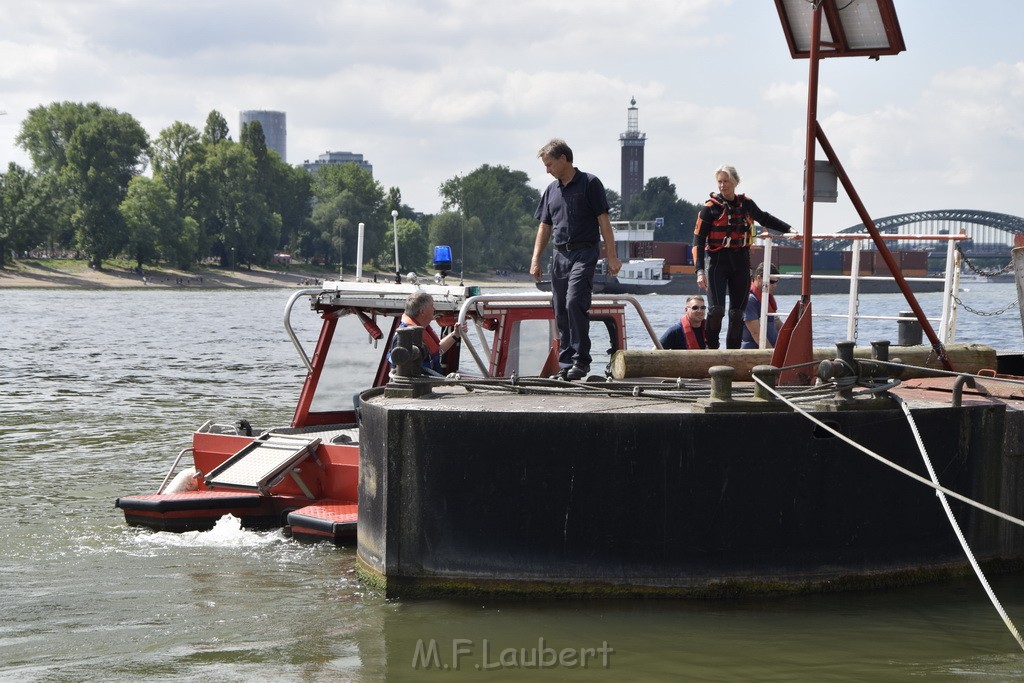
692	340
733	228
431	343
756	291
430	338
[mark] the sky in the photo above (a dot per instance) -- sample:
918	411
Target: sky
430	89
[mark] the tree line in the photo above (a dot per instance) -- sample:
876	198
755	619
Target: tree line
100	188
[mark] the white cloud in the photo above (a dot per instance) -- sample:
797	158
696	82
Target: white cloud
429	88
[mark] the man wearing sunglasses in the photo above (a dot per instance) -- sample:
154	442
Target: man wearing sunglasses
752	313
688	333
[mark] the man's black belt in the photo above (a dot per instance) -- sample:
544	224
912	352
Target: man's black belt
573	246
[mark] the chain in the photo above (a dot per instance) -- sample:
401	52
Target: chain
967	308
982	271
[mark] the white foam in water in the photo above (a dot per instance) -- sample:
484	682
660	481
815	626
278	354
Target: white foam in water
226	533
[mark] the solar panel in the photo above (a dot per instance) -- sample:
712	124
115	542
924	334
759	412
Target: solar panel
849	28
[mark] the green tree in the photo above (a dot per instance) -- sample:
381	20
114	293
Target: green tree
46	134
232	216
216	129
57	205
185	251
47	131
293	198
503	202
658	199
23	211
614	204
254	140
345	195
413	246
287	190
175	154
104	154
94	152
154	226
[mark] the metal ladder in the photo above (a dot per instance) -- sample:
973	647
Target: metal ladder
263	463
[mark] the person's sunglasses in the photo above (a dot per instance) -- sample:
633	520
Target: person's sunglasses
698	308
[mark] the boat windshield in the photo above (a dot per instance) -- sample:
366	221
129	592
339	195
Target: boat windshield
350	365
529	346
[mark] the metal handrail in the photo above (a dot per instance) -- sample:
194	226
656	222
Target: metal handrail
472	302
951	279
174	466
288	325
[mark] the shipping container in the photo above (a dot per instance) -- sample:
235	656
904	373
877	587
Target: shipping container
914	259
757	256
788	256
880	267
867	262
674	253
827	260
641	250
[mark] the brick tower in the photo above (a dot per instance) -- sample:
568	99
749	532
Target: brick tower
632	157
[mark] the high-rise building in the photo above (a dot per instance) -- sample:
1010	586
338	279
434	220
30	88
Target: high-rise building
632	142
329	158
275	128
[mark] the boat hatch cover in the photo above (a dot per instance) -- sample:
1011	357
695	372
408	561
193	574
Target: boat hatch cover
262	462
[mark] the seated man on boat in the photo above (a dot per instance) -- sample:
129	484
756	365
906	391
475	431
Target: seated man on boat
752	313
688	333
419	311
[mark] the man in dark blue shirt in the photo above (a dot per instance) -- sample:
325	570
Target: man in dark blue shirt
752	313
688	333
574	208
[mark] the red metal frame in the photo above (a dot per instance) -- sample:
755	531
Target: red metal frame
795	342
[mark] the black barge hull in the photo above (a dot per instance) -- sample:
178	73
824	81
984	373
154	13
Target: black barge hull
561	495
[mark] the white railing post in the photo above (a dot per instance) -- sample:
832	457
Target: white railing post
766	269
952	282
1017	254
851	310
359	252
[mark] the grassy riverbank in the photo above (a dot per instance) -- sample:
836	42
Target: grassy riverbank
121	274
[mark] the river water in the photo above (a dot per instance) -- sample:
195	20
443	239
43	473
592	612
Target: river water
99	390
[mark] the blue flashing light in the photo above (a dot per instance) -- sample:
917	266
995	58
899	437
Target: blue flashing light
442	259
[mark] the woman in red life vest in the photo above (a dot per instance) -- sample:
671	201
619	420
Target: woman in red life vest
721	252
688	333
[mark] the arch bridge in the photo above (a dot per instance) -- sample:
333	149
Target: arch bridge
992	234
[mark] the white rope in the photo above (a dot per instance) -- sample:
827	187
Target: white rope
940	491
902	470
956	526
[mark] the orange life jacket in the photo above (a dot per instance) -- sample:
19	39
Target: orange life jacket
692	341
431	342
733	228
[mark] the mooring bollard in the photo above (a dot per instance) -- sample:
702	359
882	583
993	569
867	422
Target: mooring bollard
880	350
721	382
769	374
844	349
407	361
910	331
